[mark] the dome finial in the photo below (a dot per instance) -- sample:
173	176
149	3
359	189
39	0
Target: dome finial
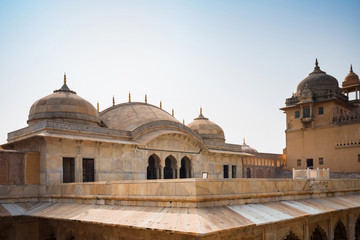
98	107
172	112
129	97
201	116
113	100
316	64
183	121
244	141
145	98
351	70
160	104
64	87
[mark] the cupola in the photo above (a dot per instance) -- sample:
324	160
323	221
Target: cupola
64	105
207	129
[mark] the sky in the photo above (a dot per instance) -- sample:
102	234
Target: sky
238	60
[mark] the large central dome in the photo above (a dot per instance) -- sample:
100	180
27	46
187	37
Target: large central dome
318	80
129	116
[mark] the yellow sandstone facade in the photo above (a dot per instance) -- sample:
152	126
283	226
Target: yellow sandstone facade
323	125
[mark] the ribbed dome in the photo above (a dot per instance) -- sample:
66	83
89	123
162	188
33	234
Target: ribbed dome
65	106
351	79
207	129
247	148
318	80
129	116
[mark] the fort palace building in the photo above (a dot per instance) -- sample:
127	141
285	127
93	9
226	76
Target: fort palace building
323	124
133	171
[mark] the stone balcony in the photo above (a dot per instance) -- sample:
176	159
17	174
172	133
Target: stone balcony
180	192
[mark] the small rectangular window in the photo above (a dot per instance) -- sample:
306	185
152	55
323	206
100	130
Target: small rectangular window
233	171
321	110
68	170
297	114
321	161
358	157
88	170
299	162
226	171
306	112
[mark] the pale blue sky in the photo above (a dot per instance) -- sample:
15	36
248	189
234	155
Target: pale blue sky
239	60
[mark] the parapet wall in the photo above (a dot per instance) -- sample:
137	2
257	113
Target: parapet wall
180	193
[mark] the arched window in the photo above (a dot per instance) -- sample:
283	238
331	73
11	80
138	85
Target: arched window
185	169
170	169
357	229
248	173
318	234
340	231
154	168
291	236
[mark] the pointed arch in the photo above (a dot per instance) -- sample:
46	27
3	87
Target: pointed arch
50	236
154	168
340	231
357	229
291	236
170	168
318	234
185	169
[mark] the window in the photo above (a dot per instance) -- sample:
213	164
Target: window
299	162
88	170
306	112
226	171
68	170
233	171
248	173
297	114
321	161
321	110
358	157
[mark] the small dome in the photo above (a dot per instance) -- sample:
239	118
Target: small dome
129	116
207	129
246	148
64	105
318	80
351	79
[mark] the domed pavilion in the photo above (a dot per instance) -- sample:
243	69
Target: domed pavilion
130	140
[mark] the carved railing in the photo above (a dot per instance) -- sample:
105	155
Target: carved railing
311	173
354	115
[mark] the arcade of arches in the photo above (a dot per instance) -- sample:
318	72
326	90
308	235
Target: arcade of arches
339	233
170	169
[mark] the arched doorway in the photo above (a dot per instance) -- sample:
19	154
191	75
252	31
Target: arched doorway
185	169
340	231
170	169
154	168
357	229
318	234
248	173
291	236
